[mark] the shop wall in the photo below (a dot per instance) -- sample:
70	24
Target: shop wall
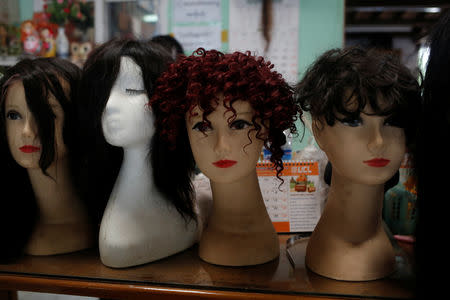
26	8
320	27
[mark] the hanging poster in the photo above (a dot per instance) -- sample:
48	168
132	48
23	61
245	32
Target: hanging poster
197	24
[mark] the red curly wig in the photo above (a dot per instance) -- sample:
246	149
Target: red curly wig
199	79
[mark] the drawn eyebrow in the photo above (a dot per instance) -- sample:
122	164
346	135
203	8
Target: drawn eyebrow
14	106
244	113
195	115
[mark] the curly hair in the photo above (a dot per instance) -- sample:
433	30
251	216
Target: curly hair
197	80
339	76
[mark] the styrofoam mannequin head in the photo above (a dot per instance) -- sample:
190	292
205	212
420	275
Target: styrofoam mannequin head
225	149
365	150
22	130
127	119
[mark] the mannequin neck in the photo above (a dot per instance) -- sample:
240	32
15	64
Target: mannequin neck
55	194
135	174
136	161
354	208
349	241
63	224
240	218
237	198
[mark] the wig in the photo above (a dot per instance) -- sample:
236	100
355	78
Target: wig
99	161
432	163
41	77
437	76
169	43
197	80
339	76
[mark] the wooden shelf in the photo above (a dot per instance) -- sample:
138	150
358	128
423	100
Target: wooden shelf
185	276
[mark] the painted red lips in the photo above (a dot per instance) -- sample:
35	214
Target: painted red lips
377	162
29	149
225	163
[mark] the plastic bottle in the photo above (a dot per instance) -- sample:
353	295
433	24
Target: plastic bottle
287	148
62	44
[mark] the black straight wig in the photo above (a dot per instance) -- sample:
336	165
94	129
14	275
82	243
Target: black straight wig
41	78
99	162
432	164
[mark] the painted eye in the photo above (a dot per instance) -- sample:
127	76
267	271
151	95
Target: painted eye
13	115
352	122
394	122
202	126
240	124
134	92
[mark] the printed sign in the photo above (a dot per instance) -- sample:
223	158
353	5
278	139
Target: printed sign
293	203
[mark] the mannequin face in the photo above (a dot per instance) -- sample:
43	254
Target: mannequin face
127	119
368	150
22	131
222	150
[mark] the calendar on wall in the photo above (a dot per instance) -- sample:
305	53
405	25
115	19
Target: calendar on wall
294	204
198	24
236	25
245	33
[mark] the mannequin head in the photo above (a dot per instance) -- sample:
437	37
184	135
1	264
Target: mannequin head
225	147
36	129
235	96
127	120
22	132
36	96
363	104
117	81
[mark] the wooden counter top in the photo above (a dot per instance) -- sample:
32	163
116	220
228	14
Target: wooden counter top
187	276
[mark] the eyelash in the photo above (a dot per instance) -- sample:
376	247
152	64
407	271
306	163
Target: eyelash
134	92
13	115
352	122
240	123
395	122
204	126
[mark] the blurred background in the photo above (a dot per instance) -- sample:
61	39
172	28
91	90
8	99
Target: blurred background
289	33
275	28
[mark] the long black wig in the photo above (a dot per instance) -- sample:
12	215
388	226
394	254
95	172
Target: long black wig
41	77
99	161
432	165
